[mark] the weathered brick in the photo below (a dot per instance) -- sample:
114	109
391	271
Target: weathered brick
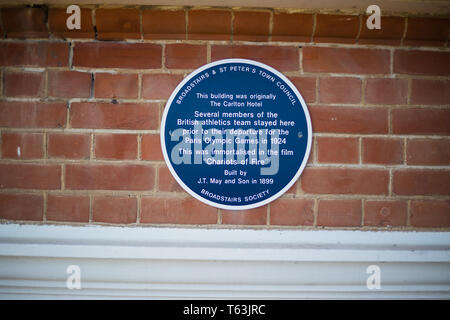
185	56
344	60
336	28
67	208
251	26
24	22
30	176
117	23
292	27
116	86
337	150
386	91
108	209
340	90
421	182
24	84
21	207
422	62
430	213
36	54
379	213
431	152
345	181
151	147
116	146
69	84
339	213
382	151
421	121
283	58
117	55
292	212
349	120
209	25
159	86
144	116
57	22
69	145
155	26
22	145
176	210
32	114
256	216
109	177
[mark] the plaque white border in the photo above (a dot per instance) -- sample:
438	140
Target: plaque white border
294	90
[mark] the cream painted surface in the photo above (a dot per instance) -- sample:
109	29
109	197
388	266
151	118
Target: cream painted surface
197	263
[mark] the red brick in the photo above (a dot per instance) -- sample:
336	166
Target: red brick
340	90
70	84
430	91
349	120
30	176
116	24
282	58
292	27
209	25
428	152
167	182
385	213
57	19
343	60
24	84
67	208
116	146
421	121
339	213
114	210
155	26
336	28
36	54
338	150
429	214
117	55
131	116
21	207
386	91
382	151
177	210
345	181
117	86
426	31
24	22
185	56
391	31
69	146
421	182
306	86
109	177
256	216
32	114
251	26
422	62
159	86
22	145
292	212
151	147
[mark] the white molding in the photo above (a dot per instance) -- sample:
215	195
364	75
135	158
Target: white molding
181	263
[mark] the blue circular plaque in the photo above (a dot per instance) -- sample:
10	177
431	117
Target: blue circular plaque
236	134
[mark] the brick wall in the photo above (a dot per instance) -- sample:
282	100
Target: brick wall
80	114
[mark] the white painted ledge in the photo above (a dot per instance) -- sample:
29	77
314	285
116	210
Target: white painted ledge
179	263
